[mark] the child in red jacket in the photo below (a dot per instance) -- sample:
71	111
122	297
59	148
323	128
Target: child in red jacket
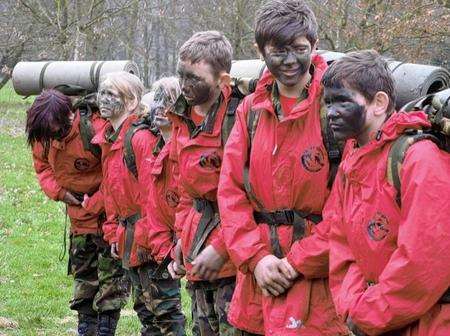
388	248
126	190
273	185
69	172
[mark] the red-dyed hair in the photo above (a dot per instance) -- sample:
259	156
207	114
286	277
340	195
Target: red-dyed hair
50	110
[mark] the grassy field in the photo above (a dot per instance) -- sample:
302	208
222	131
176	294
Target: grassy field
34	288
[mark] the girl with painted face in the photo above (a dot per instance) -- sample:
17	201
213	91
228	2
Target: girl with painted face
126	195
70	172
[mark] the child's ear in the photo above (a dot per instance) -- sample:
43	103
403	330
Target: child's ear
132	105
224	79
380	103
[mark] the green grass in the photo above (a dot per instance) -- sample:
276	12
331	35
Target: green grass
34	288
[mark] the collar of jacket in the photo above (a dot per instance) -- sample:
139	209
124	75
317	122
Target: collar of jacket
158	164
392	129
103	135
211	125
262	99
74	132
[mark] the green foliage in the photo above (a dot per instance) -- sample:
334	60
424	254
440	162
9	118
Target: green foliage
34	288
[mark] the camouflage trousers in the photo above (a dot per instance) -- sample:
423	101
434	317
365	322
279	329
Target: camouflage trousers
157	302
100	283
210	301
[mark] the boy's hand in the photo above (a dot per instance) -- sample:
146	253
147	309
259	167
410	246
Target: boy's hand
272	276
207	264
176	271
114	251
291	274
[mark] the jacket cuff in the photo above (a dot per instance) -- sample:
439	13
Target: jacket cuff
291	259
256	258
220	248
95	204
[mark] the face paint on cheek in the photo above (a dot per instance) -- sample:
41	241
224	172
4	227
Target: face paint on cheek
290	68
347	117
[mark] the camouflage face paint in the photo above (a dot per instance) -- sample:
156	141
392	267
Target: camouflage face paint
195	89
288	63
161	102
347	117
109	102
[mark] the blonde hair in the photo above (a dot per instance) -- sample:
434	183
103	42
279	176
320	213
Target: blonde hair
129	87
170	86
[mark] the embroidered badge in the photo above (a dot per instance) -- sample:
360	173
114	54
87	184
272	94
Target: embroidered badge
378	227
313	159
172	198
81	164
210	160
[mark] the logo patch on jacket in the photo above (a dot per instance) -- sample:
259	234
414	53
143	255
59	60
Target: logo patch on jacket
210	160
378	227
172	198
81	164
313	159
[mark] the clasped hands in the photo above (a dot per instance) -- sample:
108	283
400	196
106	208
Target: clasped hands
274	275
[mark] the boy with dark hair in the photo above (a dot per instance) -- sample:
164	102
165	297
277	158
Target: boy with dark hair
71	173
388	271
273	185
197	146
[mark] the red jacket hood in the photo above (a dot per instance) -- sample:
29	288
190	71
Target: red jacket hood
262	100
392	129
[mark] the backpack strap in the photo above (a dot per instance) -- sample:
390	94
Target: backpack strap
252	124
230	117
87	130
333	148
397	155
128	153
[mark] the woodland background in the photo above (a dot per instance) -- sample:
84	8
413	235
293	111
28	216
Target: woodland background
151	31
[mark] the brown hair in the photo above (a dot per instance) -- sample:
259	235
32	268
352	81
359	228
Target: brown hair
364	71
49	110
282	21
211	47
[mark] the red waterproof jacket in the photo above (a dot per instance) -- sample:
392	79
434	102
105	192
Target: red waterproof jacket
288	170
390	264
157	232
124	194
68	166
199	160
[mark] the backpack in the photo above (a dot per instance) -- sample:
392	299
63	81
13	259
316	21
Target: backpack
85	105
437	108
129	156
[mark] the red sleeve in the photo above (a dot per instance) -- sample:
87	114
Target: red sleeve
240	232
109	227
417	273
345	278
46	175
157	236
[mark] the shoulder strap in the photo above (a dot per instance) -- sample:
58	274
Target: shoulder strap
397	155
230	117
128	153
333	148
252	124
86	129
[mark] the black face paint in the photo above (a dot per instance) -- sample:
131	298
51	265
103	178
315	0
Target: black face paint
195	89
161	102
289	63
110	104
347	117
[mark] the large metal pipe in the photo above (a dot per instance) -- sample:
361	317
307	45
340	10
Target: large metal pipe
411	80
30	78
